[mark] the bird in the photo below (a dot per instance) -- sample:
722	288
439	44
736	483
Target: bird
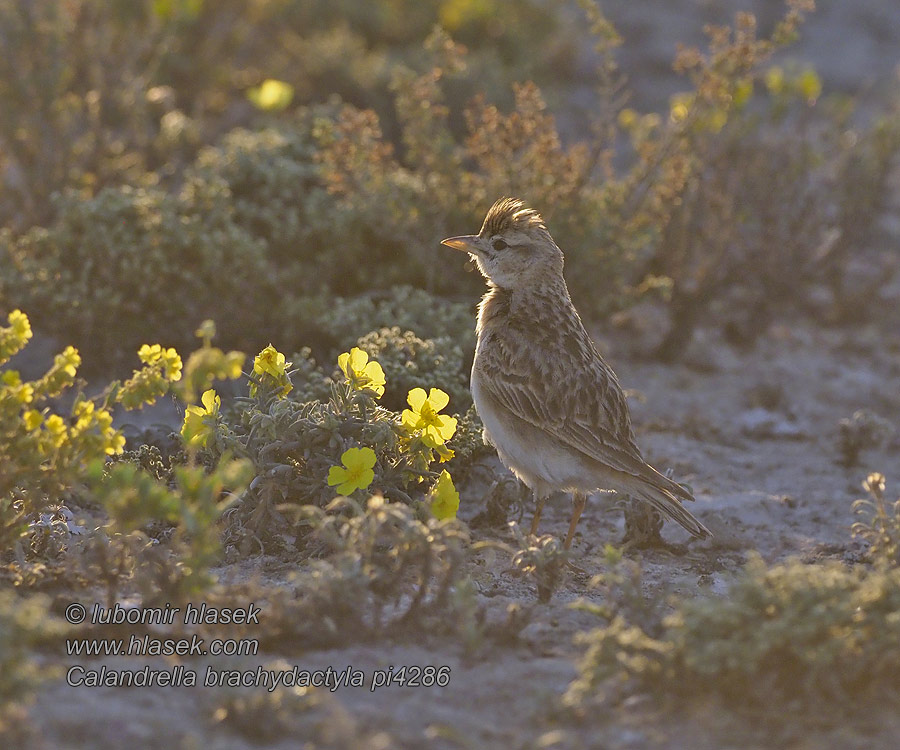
550	405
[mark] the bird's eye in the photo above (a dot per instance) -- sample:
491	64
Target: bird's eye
499	245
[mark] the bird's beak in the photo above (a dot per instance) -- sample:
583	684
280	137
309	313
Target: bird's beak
468	243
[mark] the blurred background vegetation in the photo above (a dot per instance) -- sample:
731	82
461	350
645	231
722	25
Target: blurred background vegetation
277	164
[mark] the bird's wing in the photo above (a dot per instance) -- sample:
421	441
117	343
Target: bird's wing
578	402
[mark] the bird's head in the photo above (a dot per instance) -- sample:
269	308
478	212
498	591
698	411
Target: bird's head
513	250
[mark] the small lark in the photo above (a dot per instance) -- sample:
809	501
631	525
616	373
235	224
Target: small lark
551	406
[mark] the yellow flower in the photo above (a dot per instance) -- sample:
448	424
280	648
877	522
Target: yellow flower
15	388
628	118
269	361
32	419
743	90
15	337
270	365
57	429
115	442
69	361
104	419
444	497
84	416
679	106
271	95
200	422
360	373
21	328
356	472
169	358
436	428
809	85
775	80
206	331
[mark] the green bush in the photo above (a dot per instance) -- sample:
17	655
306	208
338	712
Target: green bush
716	203
793	631
269	177
25	622
306	452
754	247
47	450
101	92
385	572
134	499
410	362
328	322
133	264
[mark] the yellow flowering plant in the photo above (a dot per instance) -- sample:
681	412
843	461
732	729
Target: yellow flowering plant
200	421
270	373
423	418
361	374
14	337
271	95
208	364
192	507
306	452
46	452
162	367
355	473
444	497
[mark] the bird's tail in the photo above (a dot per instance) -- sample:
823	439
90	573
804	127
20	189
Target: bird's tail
666	496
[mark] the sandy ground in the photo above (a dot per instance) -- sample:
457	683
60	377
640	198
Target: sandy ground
754	433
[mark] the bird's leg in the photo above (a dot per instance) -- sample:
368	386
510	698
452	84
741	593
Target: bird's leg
579	500
535	521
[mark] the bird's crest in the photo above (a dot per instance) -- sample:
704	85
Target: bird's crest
510	213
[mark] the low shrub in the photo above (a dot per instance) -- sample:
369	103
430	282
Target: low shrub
304	453
410	362
385	572
326	323
864	430
134	499
25	622
820	634
330	201
269	177
47	450
55	457
131	263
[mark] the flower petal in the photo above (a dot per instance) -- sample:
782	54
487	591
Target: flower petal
358	359
346	489
375	375
445	498
366	459
336	475
410	420
350	457
210	400
365	479
446	426
416	398
343	361
438	399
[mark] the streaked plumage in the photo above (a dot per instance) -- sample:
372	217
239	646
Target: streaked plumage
551	406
